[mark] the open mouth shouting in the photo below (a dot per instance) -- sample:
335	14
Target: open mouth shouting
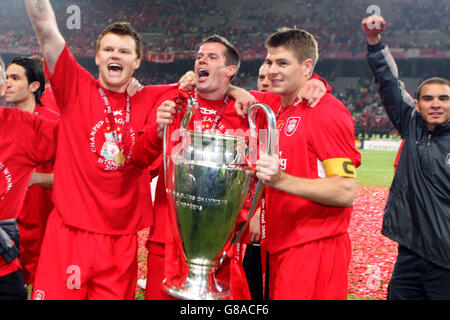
202	74
115	68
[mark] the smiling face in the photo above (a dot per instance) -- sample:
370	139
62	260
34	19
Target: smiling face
117	60
213	75
434	104
286	73
264	83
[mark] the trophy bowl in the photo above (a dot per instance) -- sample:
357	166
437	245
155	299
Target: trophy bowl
207	181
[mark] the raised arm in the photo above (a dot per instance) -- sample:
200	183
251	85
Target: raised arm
44	22
396	100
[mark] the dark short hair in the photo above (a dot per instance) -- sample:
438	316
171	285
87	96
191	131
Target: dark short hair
38	59
434	80
232	54
33	72
300	41
123	29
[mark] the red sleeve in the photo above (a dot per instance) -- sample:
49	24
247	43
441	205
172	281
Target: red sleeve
49	101
316	76
149	145
44	144
271	99
333	132
68	79
37	138
148	148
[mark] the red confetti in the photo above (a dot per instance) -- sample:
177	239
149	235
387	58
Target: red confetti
373	255
142	260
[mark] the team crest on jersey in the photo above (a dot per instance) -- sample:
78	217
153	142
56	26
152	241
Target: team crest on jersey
103	144
448	159
291	125
109	148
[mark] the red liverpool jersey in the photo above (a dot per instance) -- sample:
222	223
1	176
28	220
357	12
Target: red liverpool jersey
91	190
308	137
26	140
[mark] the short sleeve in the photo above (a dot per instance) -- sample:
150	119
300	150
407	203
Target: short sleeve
333	132
68	79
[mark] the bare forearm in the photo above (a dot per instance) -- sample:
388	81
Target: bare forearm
44	180
44	22
243	100
331	191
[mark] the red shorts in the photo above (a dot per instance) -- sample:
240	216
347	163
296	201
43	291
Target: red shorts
314	271
155	272
77	265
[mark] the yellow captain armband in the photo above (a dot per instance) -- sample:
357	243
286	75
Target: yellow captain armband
342	167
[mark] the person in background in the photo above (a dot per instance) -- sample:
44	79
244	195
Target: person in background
101	199
310	185
24	90
417	210
215	66
255	258
26	141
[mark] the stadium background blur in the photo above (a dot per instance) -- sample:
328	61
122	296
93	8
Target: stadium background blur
418	36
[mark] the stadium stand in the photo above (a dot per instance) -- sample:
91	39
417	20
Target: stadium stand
172	30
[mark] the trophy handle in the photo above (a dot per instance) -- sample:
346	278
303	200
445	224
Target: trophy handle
270	150
165	140
183	126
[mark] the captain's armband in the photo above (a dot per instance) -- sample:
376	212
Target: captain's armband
342	167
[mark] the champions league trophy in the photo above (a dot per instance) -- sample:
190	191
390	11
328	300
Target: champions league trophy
207	181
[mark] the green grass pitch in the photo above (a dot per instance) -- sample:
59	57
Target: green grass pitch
377	168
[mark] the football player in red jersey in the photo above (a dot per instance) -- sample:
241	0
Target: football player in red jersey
26	141
310	185
24	90
216	64
90	244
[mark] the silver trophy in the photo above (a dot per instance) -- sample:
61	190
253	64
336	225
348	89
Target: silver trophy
207	180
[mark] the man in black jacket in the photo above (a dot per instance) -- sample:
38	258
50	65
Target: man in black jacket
417	213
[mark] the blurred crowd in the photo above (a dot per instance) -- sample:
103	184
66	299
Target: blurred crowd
363	101
179	25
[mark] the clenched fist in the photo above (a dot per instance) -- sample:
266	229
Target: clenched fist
165	115
373	26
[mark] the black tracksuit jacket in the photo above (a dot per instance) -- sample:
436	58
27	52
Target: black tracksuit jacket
417	213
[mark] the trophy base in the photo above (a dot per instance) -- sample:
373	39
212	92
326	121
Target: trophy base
188	294
199	285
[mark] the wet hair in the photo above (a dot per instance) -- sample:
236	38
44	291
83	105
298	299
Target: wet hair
434	80
123	29
33	72
303	43
231	54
